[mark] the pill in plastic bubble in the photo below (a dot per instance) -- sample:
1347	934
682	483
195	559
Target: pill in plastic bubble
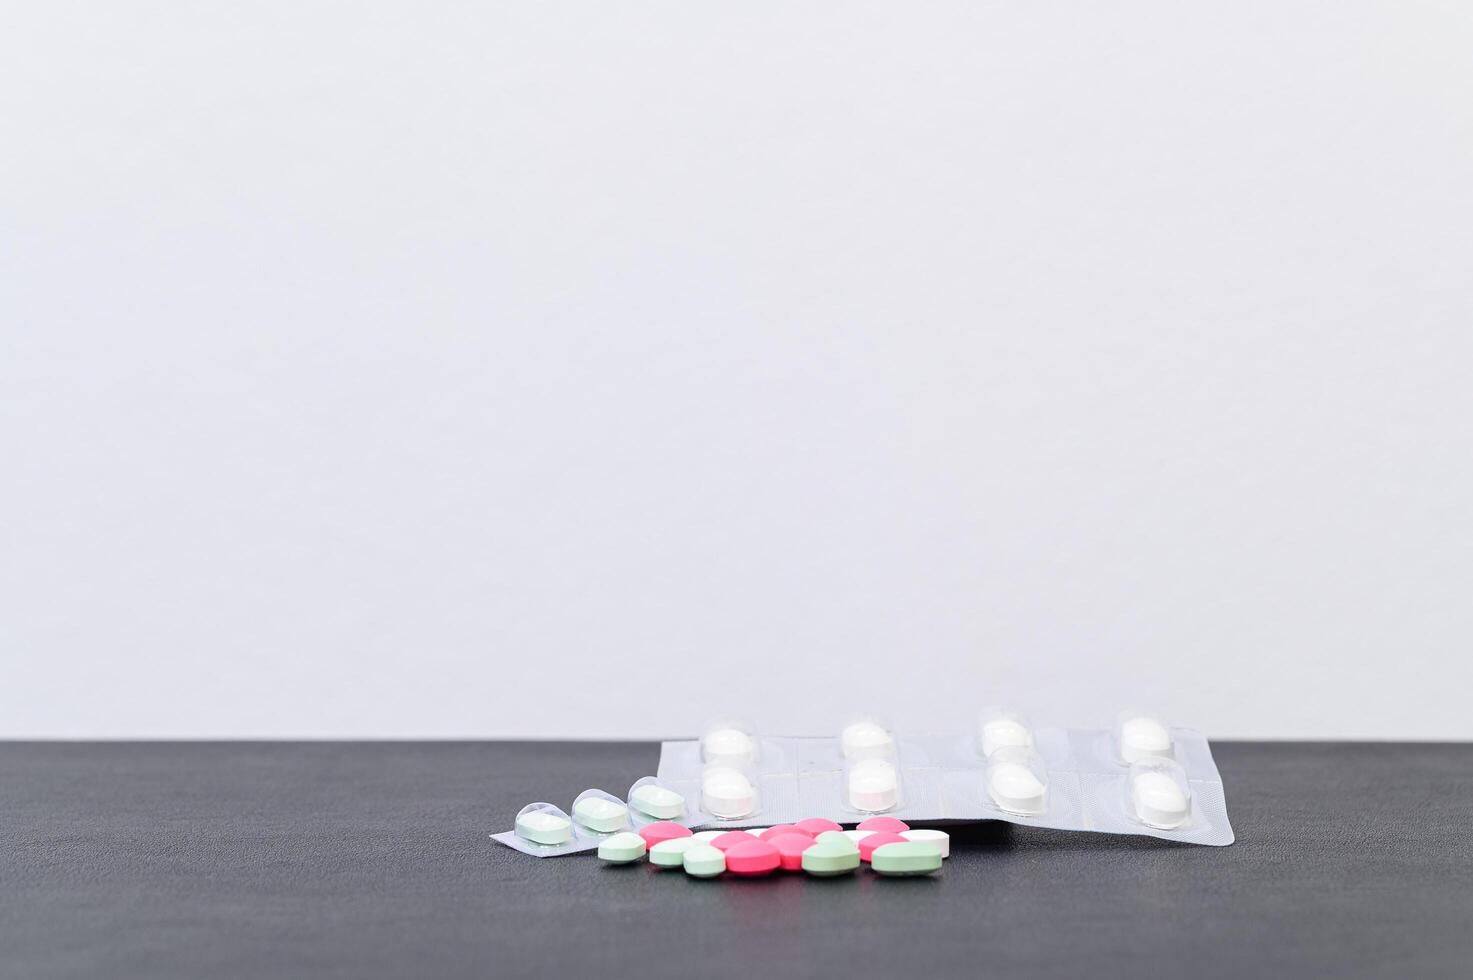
621	848
827	858
857	835
940	838
790	847
838	838
671	853
544	826
600	812
873	785
728	742
657	801
1002	729
906	858
1142	737
878	839
864	738
1017	781
784	828
817	825
1159	796
704	861
730	839
727	792
891	825
662	830
752	857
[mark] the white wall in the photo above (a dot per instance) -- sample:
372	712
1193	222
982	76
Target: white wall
583	369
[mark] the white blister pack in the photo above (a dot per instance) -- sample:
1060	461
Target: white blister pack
1139	778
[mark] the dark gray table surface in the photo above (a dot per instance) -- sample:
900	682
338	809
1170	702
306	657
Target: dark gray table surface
371	859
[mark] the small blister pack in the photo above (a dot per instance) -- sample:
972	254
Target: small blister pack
544	830
1139	778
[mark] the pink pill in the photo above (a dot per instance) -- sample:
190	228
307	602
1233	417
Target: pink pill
783	828
660	830
752	857
879	838
888	825
817	825
790	848
730	839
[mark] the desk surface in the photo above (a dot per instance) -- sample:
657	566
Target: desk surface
370	859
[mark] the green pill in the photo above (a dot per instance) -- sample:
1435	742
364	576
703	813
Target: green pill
621	848
671	853
704	861
838	838
831	858
908	858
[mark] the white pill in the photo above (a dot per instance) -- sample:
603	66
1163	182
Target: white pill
658	802
544	828
727	793
873	785
1159	801
707	835
1000	732
865	738
857	835
728	745
1144	737
1015	788
938	837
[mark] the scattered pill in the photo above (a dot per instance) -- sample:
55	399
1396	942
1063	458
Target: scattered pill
662	830
728	745
728	793
876	840
730	839
857	835
940	838
790	847
891	825
1014	787
752	857
600	814
671	853
621	848
755	831
1143	737
1004	731
1159	801
657	801
543	827
865	737
836	837
826	858
873	785
784	828
817	825
707	836
906	858
704	861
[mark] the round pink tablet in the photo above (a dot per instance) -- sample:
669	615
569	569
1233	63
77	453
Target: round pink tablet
879	838
790	848
888	825
660	830
730	839
783	828
752	857
817	825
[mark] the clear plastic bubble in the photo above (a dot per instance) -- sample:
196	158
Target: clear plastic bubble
1017	780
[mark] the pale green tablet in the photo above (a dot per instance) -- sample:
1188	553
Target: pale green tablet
657	801
831	857
601	815
621	848
671	853
838	838
912	857
704	861
544	827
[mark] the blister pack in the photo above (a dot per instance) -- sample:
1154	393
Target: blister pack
1139	778
544	830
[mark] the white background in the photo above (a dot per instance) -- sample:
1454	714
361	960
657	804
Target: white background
587	369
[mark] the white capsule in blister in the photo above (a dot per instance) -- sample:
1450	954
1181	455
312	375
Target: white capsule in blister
873	785
866	737
1140	736
727	792
1159	794
1017	781
997	728
729	742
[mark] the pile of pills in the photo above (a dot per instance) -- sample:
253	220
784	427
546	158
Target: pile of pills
817	846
